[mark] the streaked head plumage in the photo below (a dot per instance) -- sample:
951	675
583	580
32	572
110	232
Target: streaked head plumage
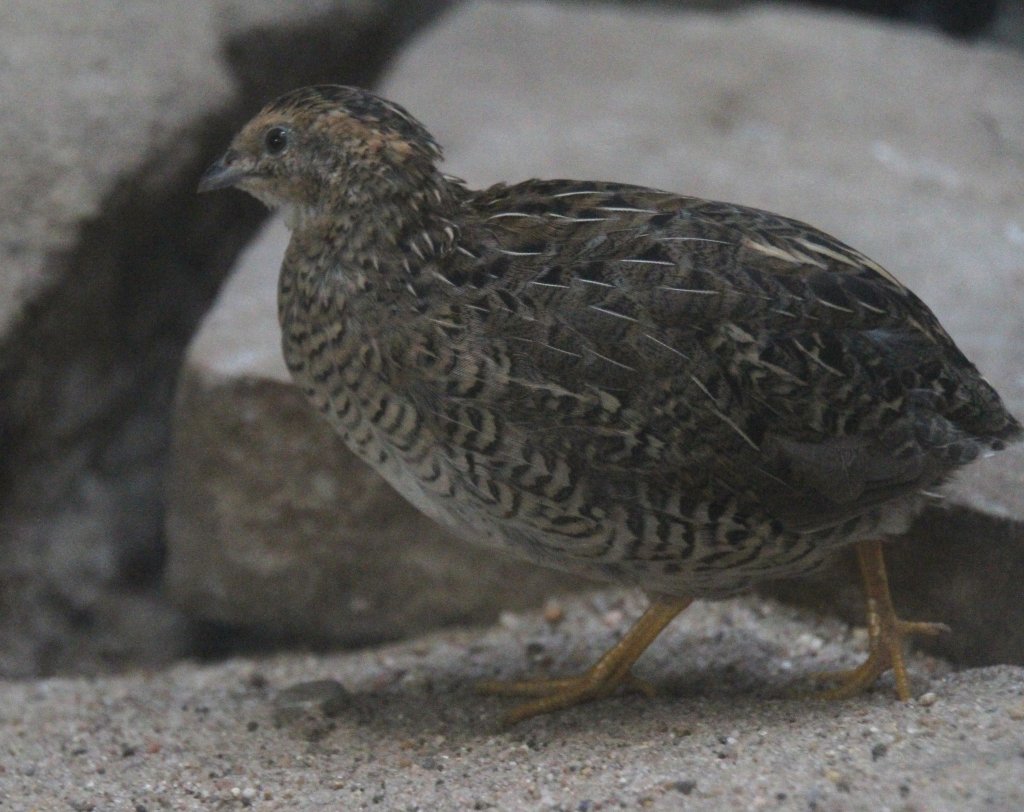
312	141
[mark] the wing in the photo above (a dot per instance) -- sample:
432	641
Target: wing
699	345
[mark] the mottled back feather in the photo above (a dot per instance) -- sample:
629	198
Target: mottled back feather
709	343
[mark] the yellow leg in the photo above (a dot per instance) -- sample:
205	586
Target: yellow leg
608	674
885	632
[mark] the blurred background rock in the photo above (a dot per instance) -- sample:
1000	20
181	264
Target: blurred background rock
108	263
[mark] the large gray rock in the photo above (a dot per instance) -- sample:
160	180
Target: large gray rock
904	144
108	113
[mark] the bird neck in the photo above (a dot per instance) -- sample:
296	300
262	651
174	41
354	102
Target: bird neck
371	241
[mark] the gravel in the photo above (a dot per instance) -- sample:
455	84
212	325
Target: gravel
400	727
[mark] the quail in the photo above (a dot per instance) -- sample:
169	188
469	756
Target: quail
683	395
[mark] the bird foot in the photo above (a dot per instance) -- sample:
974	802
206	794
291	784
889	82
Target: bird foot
605	677
885	653
563	692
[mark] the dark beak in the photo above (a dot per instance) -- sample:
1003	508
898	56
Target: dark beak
221	173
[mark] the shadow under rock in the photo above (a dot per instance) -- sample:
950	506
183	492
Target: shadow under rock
87	379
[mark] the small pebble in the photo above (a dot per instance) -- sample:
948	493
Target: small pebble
684	787
257	680
612	618
928	699
326	696
509	620
553	612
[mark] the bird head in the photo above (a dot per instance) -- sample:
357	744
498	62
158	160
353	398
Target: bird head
325	144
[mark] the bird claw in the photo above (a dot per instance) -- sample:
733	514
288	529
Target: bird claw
563	692
885	653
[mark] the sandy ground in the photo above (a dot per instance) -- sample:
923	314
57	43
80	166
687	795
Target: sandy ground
400	727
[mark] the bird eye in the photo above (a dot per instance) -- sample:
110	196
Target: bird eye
276	140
